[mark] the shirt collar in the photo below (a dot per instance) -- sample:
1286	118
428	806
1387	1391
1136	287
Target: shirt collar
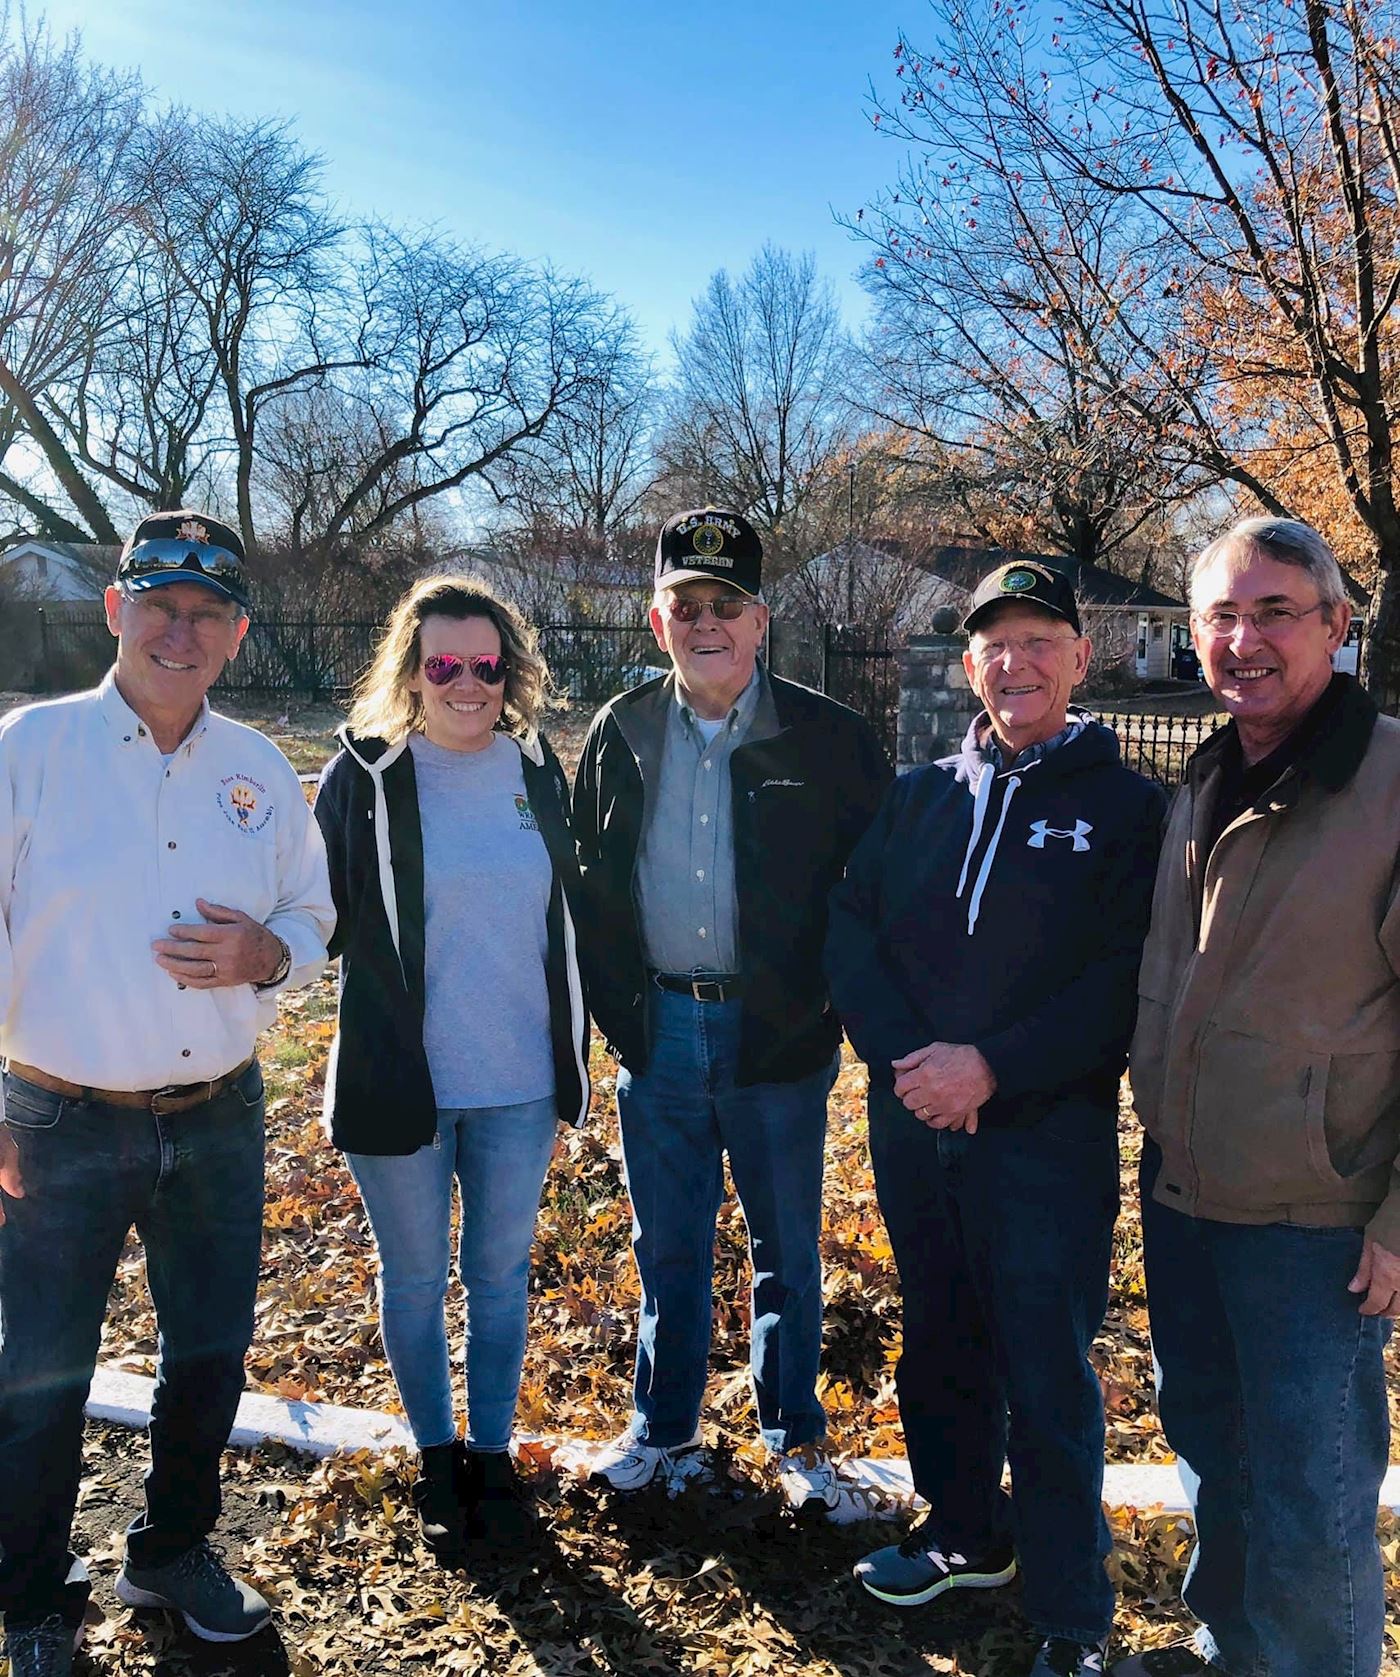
991	750
127	727
740	714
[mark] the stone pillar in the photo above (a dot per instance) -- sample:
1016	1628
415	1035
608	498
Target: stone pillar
936	701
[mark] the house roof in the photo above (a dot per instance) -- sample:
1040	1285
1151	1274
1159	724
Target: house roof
966	566
86	556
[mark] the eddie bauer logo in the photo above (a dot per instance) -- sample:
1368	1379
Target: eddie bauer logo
1042	830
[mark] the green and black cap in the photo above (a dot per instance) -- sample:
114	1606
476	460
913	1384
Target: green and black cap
1028	580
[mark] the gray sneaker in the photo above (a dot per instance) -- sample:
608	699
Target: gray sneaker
42	1647
628	1464
198	1586
917	1570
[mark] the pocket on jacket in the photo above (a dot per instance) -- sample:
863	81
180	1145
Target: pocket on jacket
1258	1131
1145	1060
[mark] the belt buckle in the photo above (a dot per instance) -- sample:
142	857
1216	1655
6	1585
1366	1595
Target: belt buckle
699	985
181	1092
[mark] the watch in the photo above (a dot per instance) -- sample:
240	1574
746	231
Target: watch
280	971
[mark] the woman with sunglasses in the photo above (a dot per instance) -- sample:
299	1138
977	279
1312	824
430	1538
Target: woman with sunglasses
462	1036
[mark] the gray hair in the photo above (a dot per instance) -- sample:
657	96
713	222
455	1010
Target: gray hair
1288	540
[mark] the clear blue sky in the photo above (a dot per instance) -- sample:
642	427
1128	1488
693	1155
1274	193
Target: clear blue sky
643	145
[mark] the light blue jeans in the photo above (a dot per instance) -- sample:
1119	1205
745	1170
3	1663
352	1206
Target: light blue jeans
499	1156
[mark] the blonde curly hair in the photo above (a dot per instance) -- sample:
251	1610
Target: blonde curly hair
384	706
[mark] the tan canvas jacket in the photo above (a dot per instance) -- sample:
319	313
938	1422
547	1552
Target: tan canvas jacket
1266	1060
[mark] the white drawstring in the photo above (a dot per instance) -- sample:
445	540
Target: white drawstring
976	903
981	797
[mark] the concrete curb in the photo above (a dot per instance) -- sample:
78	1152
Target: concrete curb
320	1429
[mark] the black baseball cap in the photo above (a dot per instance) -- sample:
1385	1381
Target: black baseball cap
710	545
185	546
1027	580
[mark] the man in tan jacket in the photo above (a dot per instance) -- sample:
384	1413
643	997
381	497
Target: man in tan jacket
1264	1069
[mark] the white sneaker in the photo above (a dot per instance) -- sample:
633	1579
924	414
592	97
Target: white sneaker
629	1464
807	1478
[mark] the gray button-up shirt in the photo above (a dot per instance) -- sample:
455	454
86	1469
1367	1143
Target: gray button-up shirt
686	899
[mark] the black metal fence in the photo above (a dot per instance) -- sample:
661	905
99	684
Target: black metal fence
1158	746
322	660
591	661
861	669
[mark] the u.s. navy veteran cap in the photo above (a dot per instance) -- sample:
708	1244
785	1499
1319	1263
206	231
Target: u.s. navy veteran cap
709	545
1024	579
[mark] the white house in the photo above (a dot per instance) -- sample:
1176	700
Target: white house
898	587
41	571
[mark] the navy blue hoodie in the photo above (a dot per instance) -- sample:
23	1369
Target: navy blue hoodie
1006	908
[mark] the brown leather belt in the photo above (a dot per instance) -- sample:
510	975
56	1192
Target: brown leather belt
175	1097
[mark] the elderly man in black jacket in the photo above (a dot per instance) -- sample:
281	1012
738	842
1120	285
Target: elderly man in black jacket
714	810
982	956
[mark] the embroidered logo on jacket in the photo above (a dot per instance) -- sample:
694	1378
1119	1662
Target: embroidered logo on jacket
771	782
1042	830
244	803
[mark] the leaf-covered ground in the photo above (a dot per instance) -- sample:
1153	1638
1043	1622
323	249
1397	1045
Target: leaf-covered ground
706	1583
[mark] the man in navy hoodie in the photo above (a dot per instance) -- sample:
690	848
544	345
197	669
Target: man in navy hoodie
982	954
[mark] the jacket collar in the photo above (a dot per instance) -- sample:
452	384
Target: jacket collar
1339	734
375	755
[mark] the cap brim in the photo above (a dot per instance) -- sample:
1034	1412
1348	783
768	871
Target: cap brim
969	623
158	579
671	579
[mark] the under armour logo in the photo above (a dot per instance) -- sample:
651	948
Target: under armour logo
1042	830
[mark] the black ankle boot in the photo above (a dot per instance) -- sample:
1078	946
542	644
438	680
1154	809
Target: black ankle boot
439	1497
501	1514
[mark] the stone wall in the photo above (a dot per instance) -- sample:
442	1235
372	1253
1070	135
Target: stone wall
936	701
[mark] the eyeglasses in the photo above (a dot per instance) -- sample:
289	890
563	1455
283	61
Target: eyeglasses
443	668
1033	646
208	622
1271	620
164	554
726	609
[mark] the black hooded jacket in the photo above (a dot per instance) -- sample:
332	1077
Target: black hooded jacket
379	1094
1005	908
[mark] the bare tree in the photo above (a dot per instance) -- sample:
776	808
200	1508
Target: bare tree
1258	151
760	405
591	468
236	212
994	350
465	357
66	130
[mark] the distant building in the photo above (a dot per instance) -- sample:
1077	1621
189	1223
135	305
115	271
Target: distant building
897	587
37	569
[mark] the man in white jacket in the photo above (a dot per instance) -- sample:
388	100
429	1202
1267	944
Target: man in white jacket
161	879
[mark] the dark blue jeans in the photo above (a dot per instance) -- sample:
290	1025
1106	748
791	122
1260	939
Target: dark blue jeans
192	1184
1271	1388
678	1121
1002	1240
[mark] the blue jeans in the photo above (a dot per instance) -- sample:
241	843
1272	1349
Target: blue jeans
678	1120
1002	1240
499	1156
1271	1388
193	1186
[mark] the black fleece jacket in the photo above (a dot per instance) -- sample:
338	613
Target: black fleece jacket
379	1093
1005	908
801	799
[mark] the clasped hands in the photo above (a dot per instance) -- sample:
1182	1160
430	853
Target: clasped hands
943	1084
